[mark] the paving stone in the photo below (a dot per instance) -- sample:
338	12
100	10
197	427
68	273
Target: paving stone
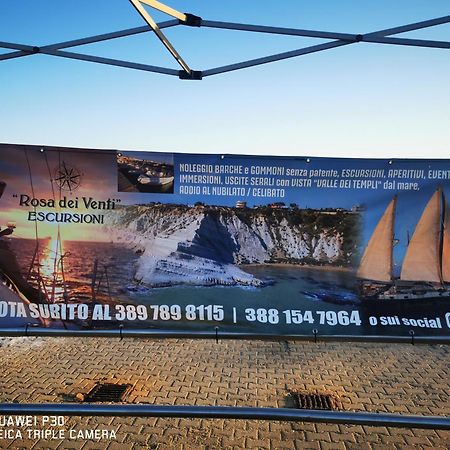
363	377
333	446
92	446
72	445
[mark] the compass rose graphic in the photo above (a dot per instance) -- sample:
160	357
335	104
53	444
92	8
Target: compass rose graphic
67	178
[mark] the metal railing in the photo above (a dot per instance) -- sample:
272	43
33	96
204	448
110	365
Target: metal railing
219	412
218	334
228	412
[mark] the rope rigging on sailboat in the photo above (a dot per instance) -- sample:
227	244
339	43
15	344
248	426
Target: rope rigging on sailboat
34	270
57	263
35	260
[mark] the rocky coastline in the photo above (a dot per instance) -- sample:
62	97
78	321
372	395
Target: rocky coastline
211	245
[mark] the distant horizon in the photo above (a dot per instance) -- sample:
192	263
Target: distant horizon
46	238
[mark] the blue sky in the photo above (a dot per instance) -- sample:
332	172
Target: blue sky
364	100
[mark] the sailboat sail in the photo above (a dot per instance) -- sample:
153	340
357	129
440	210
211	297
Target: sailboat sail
422	259
446	245
376	263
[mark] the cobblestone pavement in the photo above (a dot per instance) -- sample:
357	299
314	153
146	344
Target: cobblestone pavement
362	377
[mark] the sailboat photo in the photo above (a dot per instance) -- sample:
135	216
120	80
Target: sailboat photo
425	272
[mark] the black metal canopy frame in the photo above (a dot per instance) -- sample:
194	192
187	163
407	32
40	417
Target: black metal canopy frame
215	412
186	73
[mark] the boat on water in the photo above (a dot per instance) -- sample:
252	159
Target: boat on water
425	271
154	181
11	294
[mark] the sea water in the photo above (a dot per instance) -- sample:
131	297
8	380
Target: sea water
321	290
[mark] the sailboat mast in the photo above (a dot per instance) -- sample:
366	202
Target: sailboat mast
394	209
441	234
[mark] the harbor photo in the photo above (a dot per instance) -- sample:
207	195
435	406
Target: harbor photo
145	173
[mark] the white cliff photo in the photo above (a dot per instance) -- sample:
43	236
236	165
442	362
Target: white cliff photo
212	245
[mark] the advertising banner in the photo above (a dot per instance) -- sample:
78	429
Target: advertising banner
282	246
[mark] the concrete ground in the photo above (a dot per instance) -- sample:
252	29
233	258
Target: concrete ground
391	378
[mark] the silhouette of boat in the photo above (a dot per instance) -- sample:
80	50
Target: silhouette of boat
154	181
425	273
10	293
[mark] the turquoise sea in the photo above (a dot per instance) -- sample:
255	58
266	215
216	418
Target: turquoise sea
295	300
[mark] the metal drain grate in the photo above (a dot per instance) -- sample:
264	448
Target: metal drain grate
312	401
107	392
